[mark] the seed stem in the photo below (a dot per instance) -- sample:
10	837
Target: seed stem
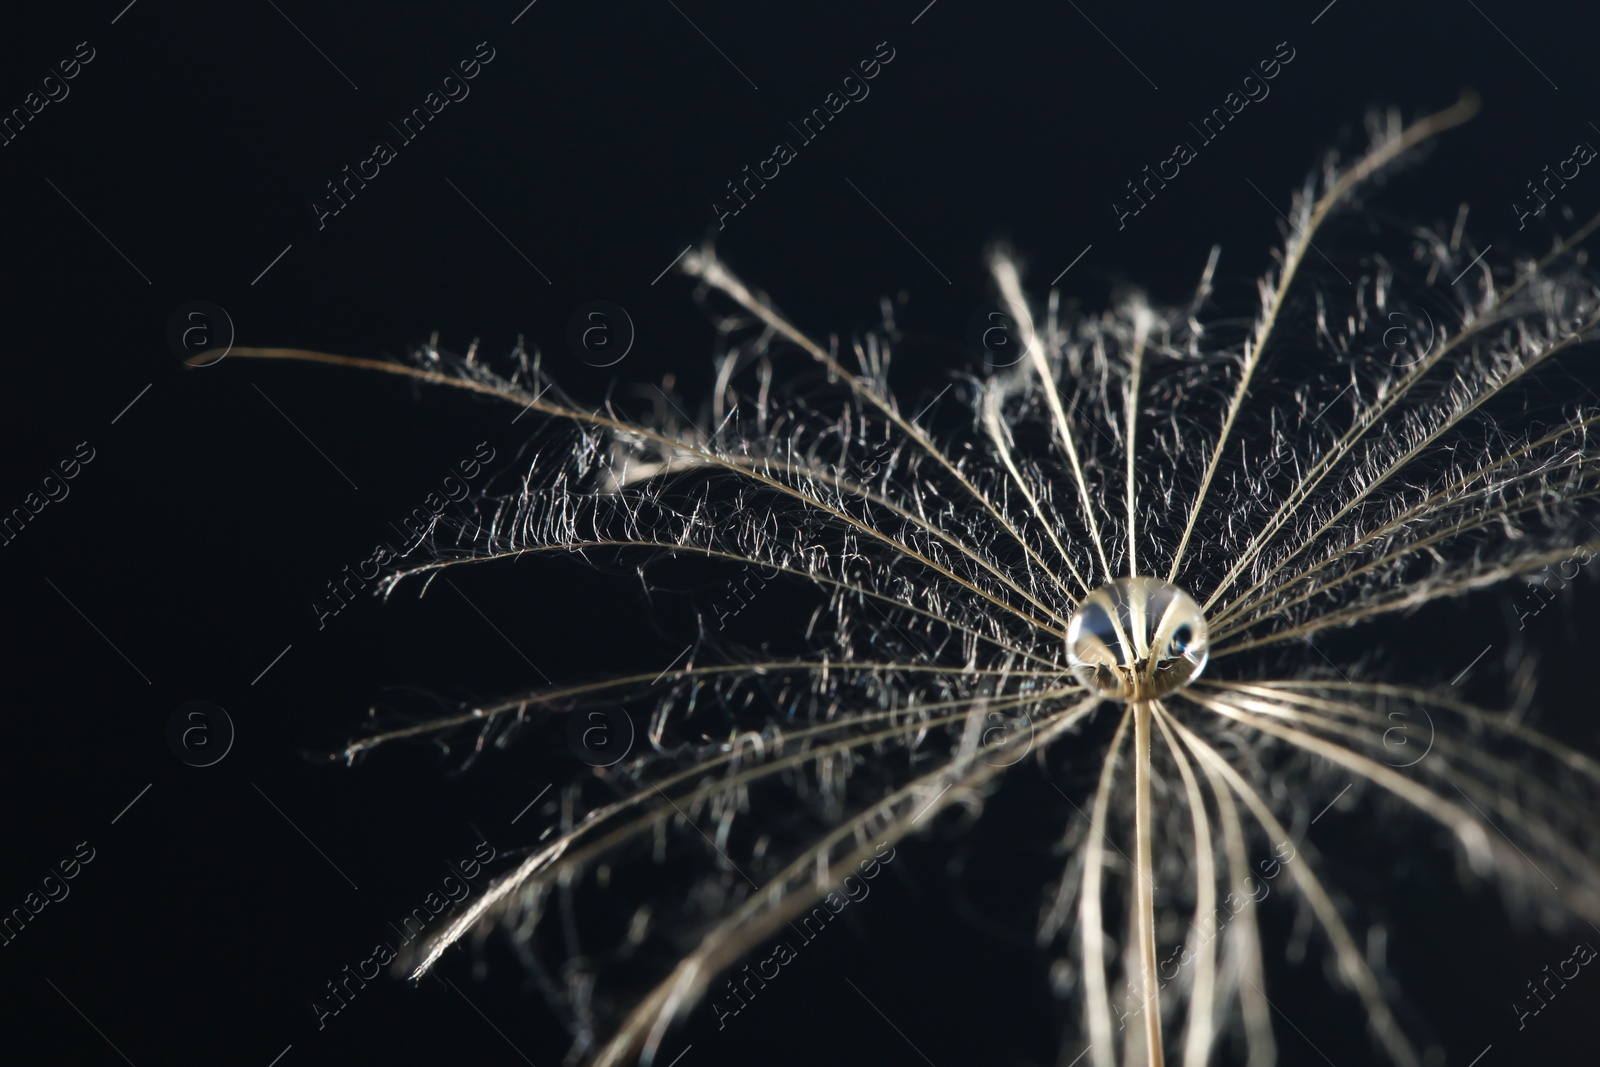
1144	890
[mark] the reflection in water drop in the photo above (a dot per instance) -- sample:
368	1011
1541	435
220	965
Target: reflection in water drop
1137	639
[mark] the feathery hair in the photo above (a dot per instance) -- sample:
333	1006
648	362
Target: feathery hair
948	550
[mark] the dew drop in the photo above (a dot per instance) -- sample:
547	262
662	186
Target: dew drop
1137	639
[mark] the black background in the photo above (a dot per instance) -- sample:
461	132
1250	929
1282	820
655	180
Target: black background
594	143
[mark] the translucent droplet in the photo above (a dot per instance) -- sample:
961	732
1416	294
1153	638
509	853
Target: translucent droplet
1137	639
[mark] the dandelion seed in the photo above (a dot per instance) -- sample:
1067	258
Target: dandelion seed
1140	524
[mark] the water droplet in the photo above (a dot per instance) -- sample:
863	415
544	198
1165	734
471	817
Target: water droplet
1137	639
